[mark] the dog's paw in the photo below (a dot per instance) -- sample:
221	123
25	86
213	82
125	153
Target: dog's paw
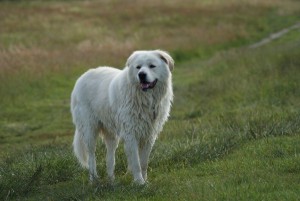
94	180
139	181
111	179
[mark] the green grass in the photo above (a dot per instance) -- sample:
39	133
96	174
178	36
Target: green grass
235	122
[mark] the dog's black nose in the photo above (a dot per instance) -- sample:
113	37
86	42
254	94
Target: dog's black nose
142	76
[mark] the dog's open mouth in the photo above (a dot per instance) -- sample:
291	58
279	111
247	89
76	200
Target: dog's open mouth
148	85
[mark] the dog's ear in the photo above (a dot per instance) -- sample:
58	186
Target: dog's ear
131	58
166	58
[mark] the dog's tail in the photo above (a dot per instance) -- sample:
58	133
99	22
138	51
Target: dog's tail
80	149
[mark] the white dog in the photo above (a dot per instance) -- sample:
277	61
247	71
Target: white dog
130	104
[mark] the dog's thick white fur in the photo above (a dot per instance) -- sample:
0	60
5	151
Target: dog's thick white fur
130	104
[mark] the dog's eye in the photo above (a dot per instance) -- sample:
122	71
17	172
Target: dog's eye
138	67
152	66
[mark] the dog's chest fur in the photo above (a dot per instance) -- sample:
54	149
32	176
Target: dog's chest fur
139	113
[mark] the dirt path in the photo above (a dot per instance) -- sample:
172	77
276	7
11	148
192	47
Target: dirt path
274	36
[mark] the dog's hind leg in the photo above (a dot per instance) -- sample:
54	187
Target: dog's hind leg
90	139
111	146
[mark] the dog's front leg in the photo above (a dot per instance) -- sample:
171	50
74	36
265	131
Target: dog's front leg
132	152
144	153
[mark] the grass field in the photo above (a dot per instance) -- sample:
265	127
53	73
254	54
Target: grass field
234	130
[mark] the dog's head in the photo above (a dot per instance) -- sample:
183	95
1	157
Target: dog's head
149	68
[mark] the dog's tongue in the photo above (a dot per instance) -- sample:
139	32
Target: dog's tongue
145	86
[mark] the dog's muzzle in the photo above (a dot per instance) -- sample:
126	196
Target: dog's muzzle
144	84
